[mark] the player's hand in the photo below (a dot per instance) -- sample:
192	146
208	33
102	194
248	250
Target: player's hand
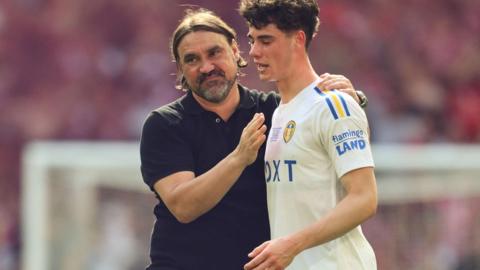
253	136
275	254
337	82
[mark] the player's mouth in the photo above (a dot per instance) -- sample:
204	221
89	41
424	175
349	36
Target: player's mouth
261	67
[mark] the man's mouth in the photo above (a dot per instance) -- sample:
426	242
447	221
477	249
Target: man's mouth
215	74
211	77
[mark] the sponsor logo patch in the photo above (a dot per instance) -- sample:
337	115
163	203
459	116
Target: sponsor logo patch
273	168
349	140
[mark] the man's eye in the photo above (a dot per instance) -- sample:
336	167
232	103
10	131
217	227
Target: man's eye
214	52
190	60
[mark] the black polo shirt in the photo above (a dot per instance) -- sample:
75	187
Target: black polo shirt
182	136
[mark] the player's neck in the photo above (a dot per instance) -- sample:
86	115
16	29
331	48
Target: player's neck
298	78
225	108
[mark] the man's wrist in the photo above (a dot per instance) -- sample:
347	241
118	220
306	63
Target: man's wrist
363	98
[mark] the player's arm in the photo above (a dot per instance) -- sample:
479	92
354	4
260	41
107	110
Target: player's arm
358	205
188	196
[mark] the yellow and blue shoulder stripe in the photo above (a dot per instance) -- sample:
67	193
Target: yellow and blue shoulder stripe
336	103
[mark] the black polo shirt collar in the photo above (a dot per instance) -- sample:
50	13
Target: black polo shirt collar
191	105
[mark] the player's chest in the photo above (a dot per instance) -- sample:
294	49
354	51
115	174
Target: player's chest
291	136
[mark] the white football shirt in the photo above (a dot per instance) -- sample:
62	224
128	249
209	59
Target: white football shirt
315	139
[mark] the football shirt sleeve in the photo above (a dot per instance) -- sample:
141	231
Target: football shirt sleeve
343	128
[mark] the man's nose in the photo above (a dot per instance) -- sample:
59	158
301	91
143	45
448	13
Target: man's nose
206	67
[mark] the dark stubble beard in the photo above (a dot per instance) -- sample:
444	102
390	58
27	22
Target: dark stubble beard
216	90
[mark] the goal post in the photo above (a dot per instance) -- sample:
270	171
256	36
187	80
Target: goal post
85	206
61	184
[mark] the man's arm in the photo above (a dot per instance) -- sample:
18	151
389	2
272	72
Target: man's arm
341	83
358	205
188	196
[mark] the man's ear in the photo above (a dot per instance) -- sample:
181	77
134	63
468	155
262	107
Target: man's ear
179	67
179	71
235	49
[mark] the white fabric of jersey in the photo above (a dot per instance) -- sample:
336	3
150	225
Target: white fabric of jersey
315	139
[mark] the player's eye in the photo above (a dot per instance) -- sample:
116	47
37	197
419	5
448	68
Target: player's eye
266	41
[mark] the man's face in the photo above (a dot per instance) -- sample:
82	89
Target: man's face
271	50
209	64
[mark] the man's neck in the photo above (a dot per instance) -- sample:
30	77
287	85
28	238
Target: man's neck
301	76
224	109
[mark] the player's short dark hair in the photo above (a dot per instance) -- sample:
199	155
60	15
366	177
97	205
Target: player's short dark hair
288	15
200	20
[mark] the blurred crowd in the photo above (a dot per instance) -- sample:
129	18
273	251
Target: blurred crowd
92	70
418	60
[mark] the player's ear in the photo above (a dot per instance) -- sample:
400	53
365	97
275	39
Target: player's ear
300	38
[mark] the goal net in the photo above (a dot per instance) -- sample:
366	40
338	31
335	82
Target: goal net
84	206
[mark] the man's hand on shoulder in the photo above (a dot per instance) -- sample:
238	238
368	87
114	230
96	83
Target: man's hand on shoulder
341	83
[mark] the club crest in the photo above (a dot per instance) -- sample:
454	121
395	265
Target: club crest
289	131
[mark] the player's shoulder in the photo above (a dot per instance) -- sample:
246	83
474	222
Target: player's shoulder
336	104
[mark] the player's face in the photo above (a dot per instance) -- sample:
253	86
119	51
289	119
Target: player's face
271	50
209	64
